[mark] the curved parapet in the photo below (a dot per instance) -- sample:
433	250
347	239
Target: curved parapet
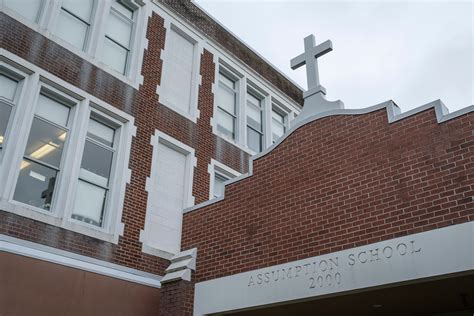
394	114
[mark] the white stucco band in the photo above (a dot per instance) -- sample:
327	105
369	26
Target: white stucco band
425	255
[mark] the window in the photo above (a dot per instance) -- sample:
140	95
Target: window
29	9
68	164
118	37
170	191
95	173
74	21
254	123
178	87
42	159
8	89
227	106
219	173
279	121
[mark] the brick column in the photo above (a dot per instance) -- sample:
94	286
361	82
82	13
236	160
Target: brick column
177	298
177	289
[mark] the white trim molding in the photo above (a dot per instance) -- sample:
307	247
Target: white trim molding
196	78
413	258
69	259
150	187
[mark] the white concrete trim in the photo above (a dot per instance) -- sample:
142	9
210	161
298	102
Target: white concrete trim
191	163
393	113
69	259
172	24
413	258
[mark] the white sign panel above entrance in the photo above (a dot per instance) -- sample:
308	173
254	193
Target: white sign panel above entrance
434	253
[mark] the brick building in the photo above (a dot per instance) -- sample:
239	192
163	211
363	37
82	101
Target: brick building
121	121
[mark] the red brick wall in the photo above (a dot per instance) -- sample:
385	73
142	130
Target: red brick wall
337	183
149	115
177	299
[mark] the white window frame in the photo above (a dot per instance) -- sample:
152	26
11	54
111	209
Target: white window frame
216	167
196	78
47	22
240	85
22	81
265	100
65	187
283	110
188	200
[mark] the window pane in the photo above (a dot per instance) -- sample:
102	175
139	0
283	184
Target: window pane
114	56
35	185
98	162
219	185
5	111
45	142
225	123
89	204
254	140
226	81
52	110
119	29
226	99
126	11
71	29
278	117
277	131
27	8
254	117
101	133
80	8
7	87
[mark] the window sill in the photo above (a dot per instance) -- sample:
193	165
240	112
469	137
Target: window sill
193	116
39	215
233	142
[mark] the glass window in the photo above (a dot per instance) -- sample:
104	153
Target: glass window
41	162
118	37
74	21
29	9
8	89
94	176
254	123
278	125
226	106
219	184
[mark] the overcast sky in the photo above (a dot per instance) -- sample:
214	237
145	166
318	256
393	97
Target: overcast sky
410	52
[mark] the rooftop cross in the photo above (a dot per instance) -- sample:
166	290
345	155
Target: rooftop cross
309	58
315	98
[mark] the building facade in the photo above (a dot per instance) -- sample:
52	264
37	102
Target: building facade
148	167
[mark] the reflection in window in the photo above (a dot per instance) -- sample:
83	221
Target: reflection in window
74	21
29	9
118	37
41	162
94	176
226	106
8	88
254	123
278	125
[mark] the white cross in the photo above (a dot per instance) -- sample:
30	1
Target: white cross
309	57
